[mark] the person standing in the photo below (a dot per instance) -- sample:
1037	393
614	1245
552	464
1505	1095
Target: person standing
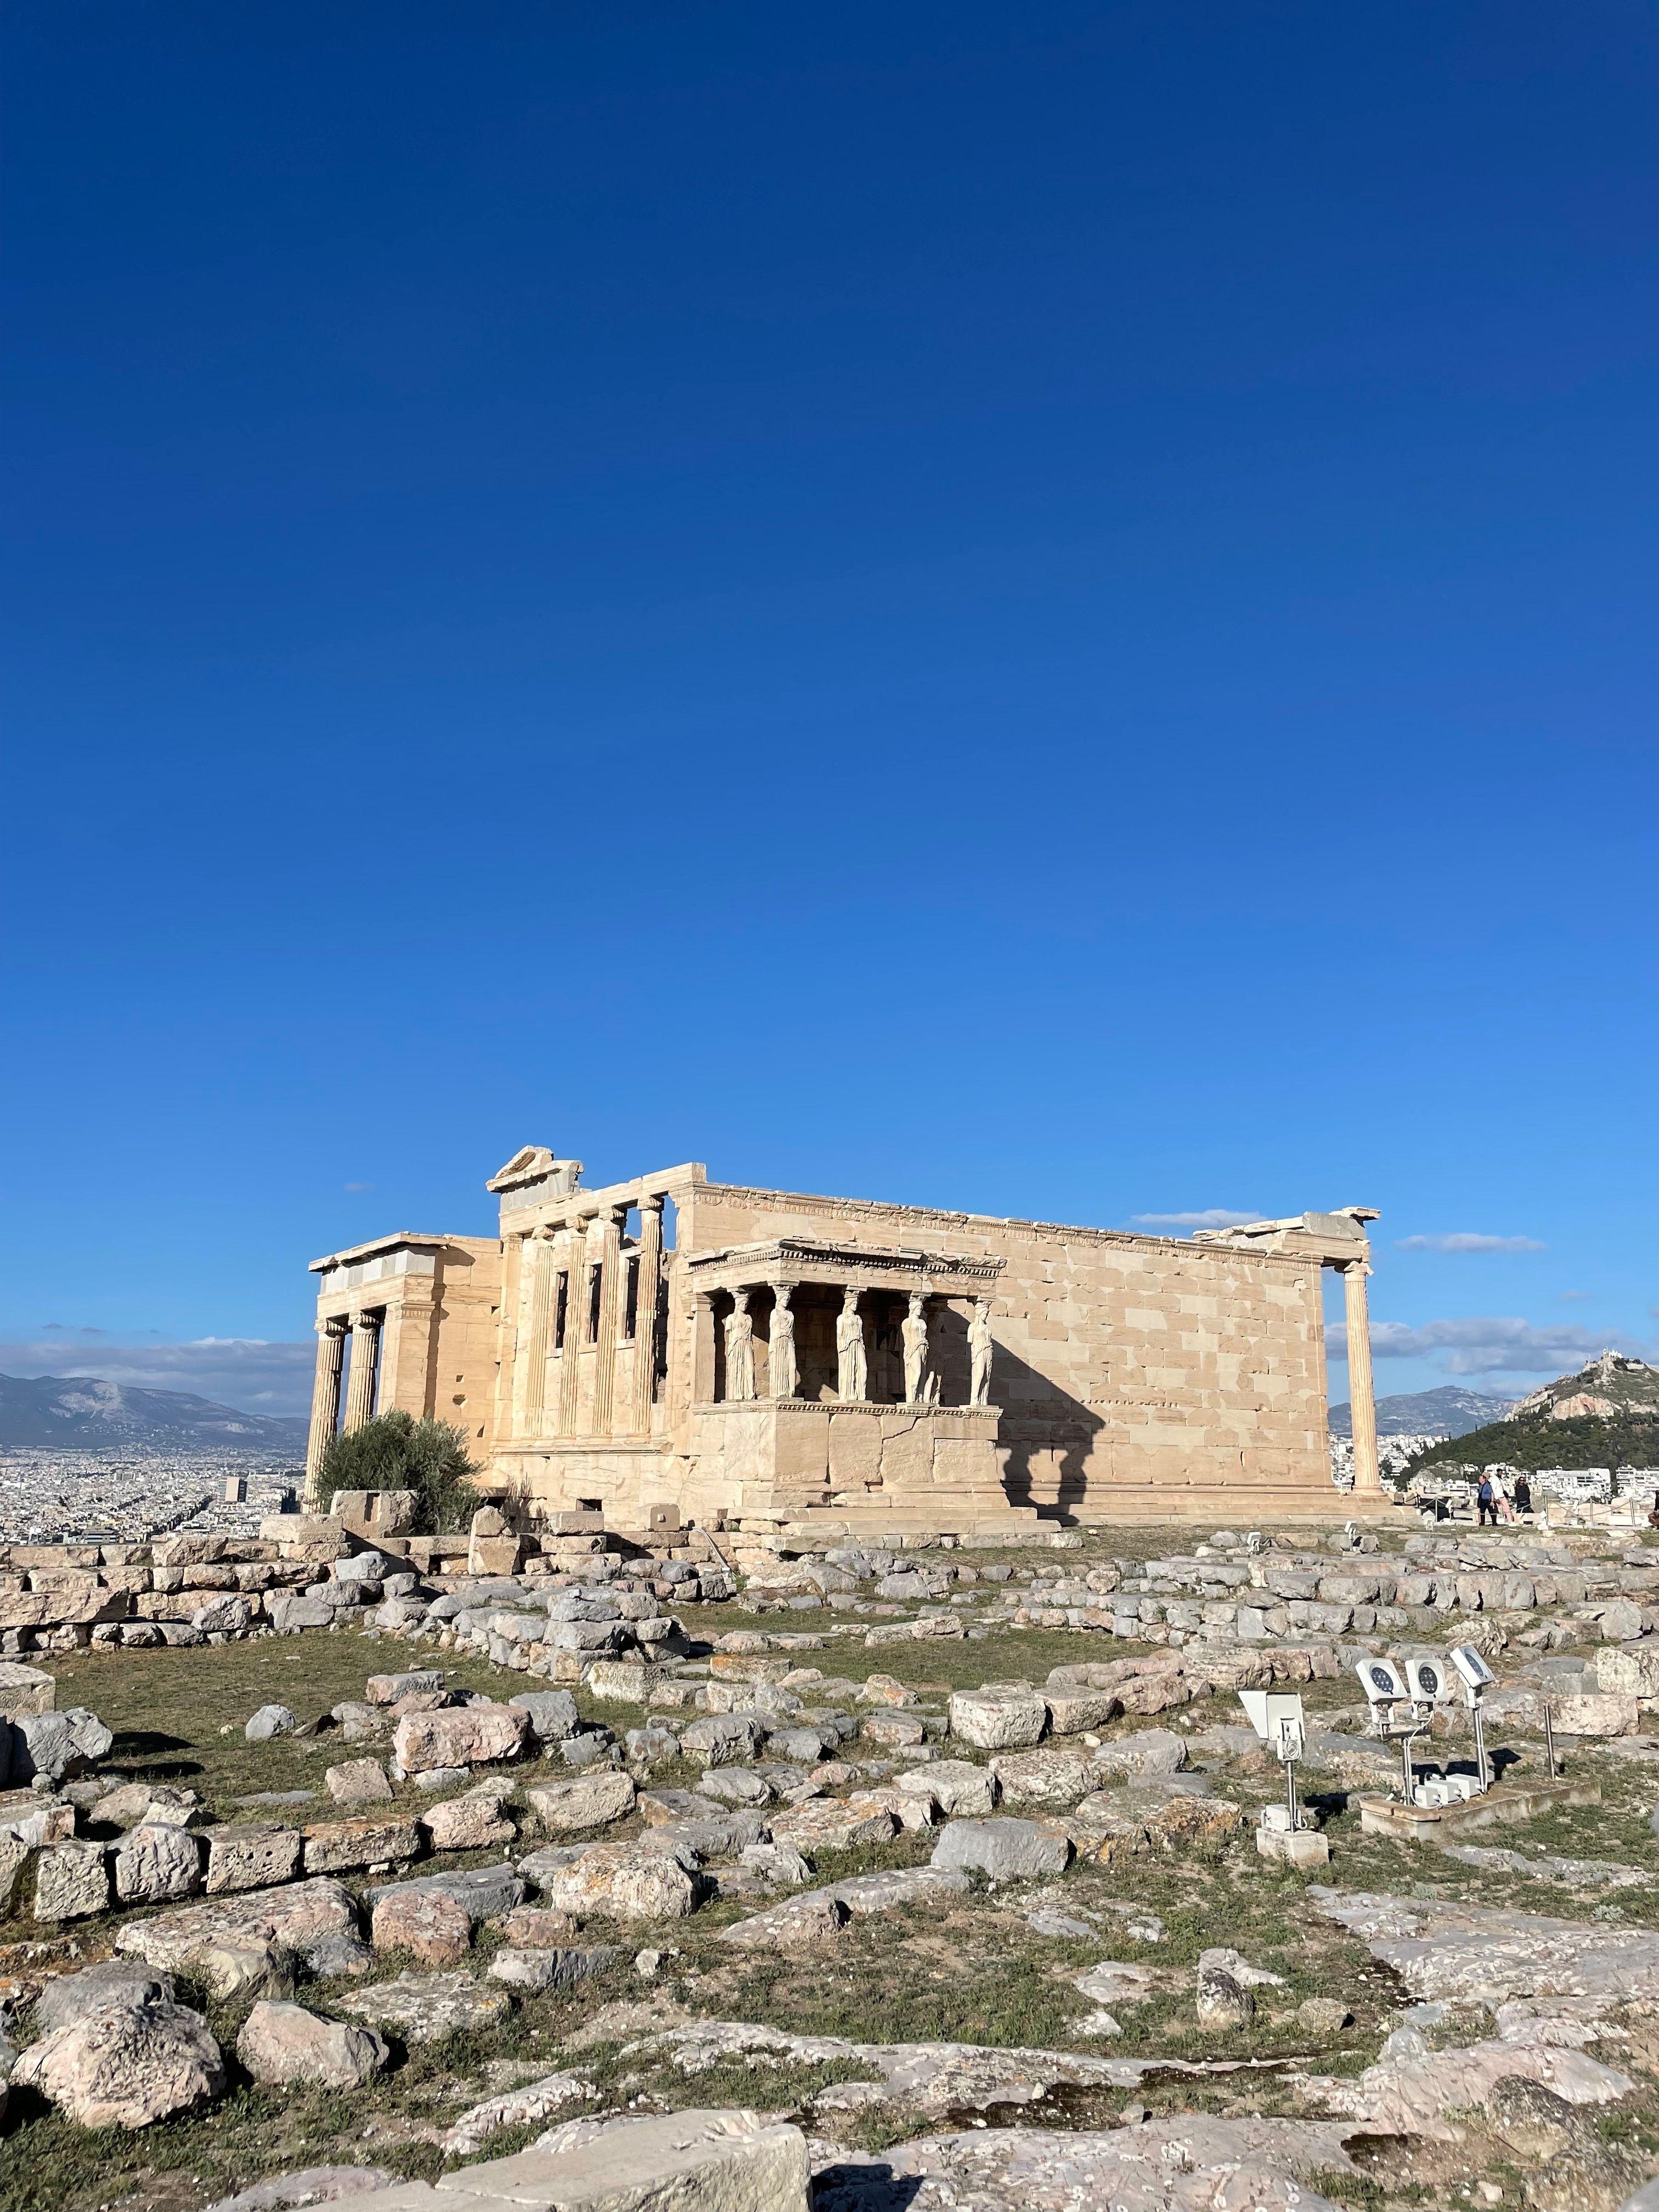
1523	1495
1486	1503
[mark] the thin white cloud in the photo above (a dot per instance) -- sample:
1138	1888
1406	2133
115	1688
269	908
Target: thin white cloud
360	1186
243	1372
1213	1217
1468	1240
1490	1345
1574	1297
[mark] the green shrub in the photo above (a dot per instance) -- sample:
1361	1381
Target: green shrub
397	1452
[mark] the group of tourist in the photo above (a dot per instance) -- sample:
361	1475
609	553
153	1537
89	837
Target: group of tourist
1492	1500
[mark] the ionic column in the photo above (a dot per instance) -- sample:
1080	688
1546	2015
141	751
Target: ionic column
538	1260
1362	1397
782	1375
364	1358
575	1321
604	1343
645	1314
325	1401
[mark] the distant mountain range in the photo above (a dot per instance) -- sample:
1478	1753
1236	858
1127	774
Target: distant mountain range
81	1412
1448	1411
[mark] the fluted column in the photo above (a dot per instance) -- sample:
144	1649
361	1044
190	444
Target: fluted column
538	1311
365	1359
1362	1397
575	1325
324	1401
645	1314
605	1341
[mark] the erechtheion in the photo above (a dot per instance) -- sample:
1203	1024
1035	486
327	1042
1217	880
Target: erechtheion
844	1364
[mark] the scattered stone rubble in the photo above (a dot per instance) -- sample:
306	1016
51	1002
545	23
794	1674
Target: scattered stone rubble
581	1848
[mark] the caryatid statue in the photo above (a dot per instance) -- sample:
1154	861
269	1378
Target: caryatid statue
913	1335
979	1353
852	1371
783	1377
739	1349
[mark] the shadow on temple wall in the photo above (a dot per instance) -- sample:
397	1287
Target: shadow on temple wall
1046	1433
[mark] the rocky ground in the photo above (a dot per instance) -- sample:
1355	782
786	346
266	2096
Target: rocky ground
980	1914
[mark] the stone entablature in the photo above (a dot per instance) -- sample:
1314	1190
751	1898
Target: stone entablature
625	1329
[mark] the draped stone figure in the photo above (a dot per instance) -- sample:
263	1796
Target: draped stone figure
852	1372
979	1353
783	1343
913	1335
740	1350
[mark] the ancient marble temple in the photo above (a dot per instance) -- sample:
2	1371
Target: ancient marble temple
834	1363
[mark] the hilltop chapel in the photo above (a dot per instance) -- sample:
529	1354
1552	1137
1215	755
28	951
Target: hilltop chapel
843	1364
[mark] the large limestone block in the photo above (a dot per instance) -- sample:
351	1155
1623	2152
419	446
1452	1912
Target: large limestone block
477	1821
291	1609
1072	1711
832	1824
426	2008
1003	1850
95	1989
1595	1713
13	1857
484	1891
724	1739
998	1718
370	1839
435	1929
71	1881
541	1967
587	1801
25	1690
1043	1778
300	1916
226	1614
125	2065
469	1735
692	2161
1629	1670
1148	1751
57	1746
955	1785
1622	1619
387	1689
629	1881
155	1861
236	1970
358	1782
553	1716
798	1924
282	2043
621	1681
251	1855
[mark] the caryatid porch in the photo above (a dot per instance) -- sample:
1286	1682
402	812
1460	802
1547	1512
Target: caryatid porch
830	1378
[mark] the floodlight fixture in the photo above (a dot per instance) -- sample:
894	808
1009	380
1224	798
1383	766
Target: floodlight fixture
1428	1679
1380	1680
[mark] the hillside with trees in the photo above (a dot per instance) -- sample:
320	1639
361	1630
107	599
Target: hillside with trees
1606	1414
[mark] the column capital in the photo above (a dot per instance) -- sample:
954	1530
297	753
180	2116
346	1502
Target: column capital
653	1201
332	1325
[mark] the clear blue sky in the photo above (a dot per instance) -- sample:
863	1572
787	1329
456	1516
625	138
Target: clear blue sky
1049	611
